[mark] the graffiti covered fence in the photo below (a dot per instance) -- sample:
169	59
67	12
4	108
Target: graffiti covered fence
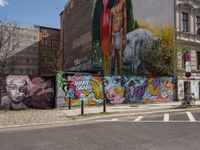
23	91
86	88
92	89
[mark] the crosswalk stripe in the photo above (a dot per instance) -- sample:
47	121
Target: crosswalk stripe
190	116
138	118
166	118
114	120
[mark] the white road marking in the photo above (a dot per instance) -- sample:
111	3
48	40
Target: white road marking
138	118
190	116
114	120
166	118
107	120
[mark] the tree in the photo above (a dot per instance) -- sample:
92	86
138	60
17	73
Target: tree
9	42
52	62
129	13
160	60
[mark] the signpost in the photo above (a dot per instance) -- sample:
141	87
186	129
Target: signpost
188	70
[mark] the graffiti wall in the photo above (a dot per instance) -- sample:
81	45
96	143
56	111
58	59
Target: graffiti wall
23	91
92	89
138	89
114	90
123	40
88	89
60	94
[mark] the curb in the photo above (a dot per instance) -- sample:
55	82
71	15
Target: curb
116	114
138	113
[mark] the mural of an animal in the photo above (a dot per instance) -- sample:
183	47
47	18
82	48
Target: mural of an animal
138	42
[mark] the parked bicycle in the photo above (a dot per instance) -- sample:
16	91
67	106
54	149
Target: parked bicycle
188	101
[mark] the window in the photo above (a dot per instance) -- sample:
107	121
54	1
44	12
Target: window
43	41
44	32
27	71
185	22
21	71
198	25
198	60
51	42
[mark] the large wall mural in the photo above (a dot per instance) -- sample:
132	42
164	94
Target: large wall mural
109	34
116	89
139	89
88	89
23	91
121	45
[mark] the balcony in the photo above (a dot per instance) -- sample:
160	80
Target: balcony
189	37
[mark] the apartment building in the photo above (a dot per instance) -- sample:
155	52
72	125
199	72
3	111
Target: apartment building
188	40
35	50
49	56
23	55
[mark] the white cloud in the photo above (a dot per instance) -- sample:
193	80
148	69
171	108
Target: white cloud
3	3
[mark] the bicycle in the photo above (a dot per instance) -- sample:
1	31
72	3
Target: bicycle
188	101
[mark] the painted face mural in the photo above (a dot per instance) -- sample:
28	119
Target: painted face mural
22	91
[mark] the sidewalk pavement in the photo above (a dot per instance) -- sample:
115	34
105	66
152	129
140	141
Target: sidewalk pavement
10	118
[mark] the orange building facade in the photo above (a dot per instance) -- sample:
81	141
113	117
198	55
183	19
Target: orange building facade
50	55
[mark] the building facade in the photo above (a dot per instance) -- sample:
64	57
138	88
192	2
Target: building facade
34	50
188	40
76	35
23	58
49	56
180	16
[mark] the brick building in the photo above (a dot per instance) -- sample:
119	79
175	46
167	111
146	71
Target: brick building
49	56
76	34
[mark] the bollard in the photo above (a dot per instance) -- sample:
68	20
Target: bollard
104	105
82	108
69	104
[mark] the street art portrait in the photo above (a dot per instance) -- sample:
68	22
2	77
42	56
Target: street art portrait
88	89
22	91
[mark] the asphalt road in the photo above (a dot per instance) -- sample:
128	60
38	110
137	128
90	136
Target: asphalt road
123	133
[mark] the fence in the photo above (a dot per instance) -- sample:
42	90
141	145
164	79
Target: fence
92	89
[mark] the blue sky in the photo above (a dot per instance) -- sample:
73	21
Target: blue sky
32	12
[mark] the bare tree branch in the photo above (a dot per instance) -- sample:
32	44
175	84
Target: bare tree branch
9	42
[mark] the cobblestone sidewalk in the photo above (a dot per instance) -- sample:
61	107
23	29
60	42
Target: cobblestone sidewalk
9	118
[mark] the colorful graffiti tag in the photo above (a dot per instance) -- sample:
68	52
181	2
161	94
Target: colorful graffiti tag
23	91
88	89
114	90
118	90
138	89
